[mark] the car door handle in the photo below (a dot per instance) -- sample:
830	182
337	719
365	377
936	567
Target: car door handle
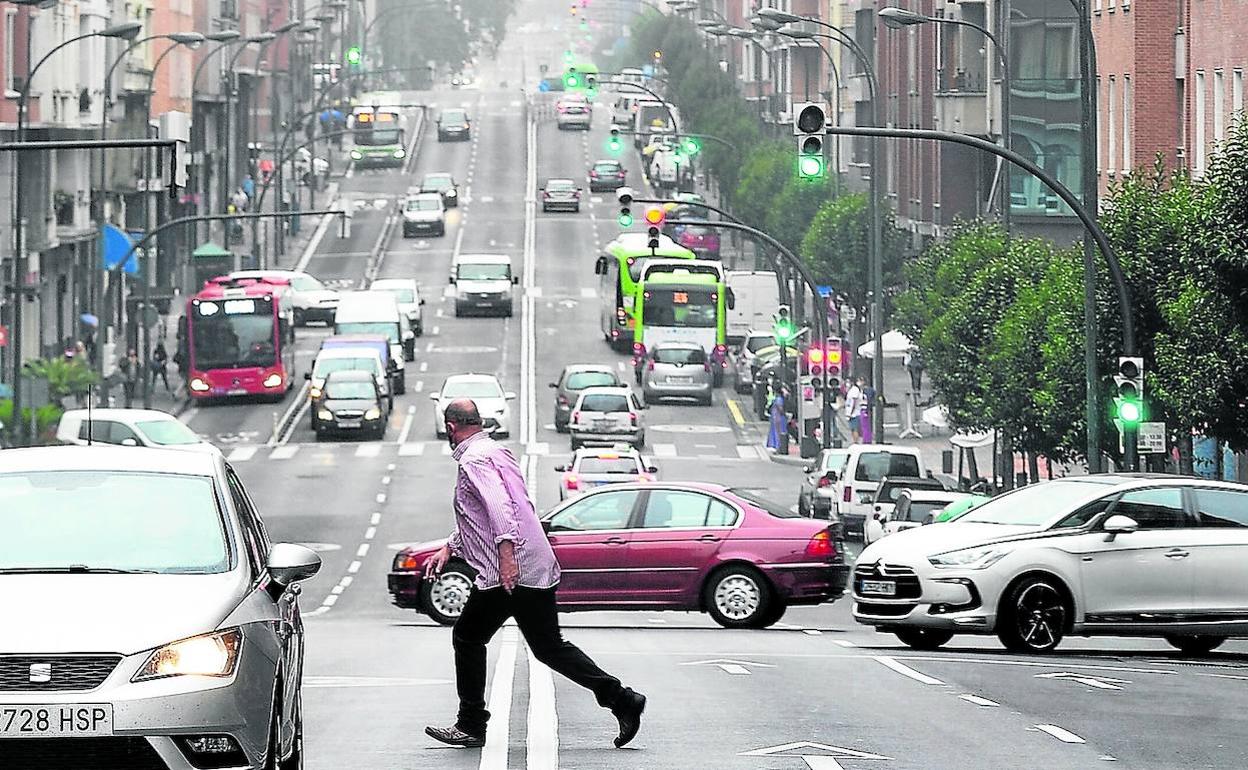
614	541
709	538
1177	553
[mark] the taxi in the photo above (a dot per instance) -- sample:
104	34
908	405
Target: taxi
593	467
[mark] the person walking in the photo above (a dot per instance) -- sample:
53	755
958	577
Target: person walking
865	422
239	200
498	533
853	410
249	186
131	371
160	365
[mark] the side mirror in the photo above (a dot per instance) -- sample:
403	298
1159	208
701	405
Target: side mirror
422	300
561	468
652	469
509	396
515	280
289	563
307	375
1119	525
546	525
434	396
129	442
450	278
554	385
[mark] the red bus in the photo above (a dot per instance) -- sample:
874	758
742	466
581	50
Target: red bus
240	339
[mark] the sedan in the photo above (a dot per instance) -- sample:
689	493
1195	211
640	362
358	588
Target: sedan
350	404
677	370
485	391
696	547
607	175
148	620
573	114
561	194
596	467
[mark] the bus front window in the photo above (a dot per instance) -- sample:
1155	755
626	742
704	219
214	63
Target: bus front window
693	308
377	137
233	334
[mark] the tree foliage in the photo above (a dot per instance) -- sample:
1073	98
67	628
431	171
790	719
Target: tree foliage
836	246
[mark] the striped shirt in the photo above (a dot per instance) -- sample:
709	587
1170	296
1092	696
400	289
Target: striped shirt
492	505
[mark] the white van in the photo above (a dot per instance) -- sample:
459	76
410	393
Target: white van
483	283
376	312
129	427
756	294
854	484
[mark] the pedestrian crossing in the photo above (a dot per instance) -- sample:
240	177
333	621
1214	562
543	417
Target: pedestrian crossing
334	451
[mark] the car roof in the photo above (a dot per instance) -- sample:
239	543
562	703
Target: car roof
105	457
574	368
355	351
127	415
489	259
607	390
560	180
349	374
470	377
263	273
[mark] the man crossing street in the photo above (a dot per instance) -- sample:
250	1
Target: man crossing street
499	535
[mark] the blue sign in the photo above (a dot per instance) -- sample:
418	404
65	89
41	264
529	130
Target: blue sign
115	245
544	86
824	291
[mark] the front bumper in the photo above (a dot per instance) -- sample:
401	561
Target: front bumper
630	435
475	301
949	600
387	160
423	225
350	428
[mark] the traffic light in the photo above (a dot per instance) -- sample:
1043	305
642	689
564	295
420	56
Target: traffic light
691	146
354	56
625	196
832	362
783	328
815	358
613	144
808	127
1129	382
654	219
571	79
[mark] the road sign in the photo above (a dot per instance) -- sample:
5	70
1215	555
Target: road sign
817	756
4	336
824	291
1152	438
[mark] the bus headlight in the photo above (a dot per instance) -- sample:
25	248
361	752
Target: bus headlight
400	153
357	155
273	380
198	385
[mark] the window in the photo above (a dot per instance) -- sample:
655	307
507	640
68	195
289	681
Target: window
1219	106
1085	515
1198	148
257	553
119	432
873	466
676	510
612	510
1111	152
604	402
1222	508
1127	161
1160	508
664	355
10	43
583	380
1237	91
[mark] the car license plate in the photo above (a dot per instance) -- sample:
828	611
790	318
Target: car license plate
880	587
349	423
681	380
66	720
237	392
604	425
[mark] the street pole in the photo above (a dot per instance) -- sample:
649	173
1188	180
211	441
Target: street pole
227	174
1088	131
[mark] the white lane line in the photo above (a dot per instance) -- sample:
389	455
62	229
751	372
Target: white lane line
330	601
354	567
412	450
542	752
498	739
424	366
904	670
408	421
284	452
420	385
978	701
368	450
436	331
362	551
1060	733
746	452
428	347
370	533
843	643
297	407
381	497
242	454
385	481
664	450
317	236
811	631
376	519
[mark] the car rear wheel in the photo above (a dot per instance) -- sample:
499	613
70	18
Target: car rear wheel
923	638
1195	645
738	597
1034	616
443	599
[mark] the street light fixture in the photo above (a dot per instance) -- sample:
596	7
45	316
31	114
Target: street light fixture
224	36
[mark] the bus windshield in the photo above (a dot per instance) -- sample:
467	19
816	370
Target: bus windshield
377	137
234	334
676	307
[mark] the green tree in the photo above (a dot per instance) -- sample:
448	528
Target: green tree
65	377
836	246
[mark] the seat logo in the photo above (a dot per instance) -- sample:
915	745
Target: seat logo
40	673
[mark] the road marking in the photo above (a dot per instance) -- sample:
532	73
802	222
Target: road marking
282	425
408	421
412	450
437	330
747	452
498	740
420	385
542	746
362	551
376	518
368	450
812	631
1100	683
370	533
736	412
664	450
904	670
424	366
284	452
242	454
588	293
317	236
1060	733
535	292
728	666
843	643
825	759
354	567
978	701
370	681
381	498
385	481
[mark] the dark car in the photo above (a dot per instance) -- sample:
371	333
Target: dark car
454	124
657	546
443	184
351	404
572	381
606	175
561	194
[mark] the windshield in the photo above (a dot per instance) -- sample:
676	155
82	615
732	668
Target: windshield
607	168
491	271
752	496
834	461
167	432
583	380
560	185
58	520
353	389
325	366
616	465
424	204
233	334
679	356
920	511
454	117
1033	505
389	330
677	307
404	296
437	183
604	403
472	389
873	466
755	344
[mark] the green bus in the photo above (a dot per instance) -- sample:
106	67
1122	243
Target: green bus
684	304
379	130
618	270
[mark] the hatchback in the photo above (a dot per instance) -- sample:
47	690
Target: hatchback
148	620
350	404
607	175
677	370
129	427
607	415
573	114
697	547
454	124
574	379
443	184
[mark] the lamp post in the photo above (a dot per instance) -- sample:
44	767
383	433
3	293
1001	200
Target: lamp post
126	31
227	173
225	38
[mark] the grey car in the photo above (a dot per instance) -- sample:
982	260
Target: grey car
572	381
148	620
607	416
677	370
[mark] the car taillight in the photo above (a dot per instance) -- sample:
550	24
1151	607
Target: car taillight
632	417
593	175
576	416
406	562
848	494
572	483
821	546
823	482
563	401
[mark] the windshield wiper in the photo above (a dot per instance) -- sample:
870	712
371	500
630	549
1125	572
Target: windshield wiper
74	569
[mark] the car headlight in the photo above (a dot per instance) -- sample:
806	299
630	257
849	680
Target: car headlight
273	380
356	155
400	153
198	385
373	414
324	414
214	654
314	392
452	194
979	557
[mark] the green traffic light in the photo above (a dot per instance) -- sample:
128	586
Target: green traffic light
692	147
784	332
625	219
354	56
614	144
810	167
571	81
1130	411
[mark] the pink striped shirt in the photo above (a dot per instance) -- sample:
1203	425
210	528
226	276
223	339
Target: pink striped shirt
492	505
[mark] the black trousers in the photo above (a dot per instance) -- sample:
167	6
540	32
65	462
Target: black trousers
534	610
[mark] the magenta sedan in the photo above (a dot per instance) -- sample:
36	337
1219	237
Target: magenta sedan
698	547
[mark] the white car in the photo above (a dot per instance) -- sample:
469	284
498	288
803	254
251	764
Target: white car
605	415
407	292
853	487
129	427
912	508
1117	555
485	391
347	359
310	299
593	467
424	212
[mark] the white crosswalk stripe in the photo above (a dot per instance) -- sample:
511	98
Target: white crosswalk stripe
284	452
665	450
412	450
368	450
242	454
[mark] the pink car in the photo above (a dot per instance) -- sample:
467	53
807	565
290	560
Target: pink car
702	241
697	547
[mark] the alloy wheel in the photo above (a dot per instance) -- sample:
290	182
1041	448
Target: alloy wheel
1040	616
738	597
449	593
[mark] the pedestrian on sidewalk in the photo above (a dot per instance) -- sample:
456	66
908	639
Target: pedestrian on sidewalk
853	410
779	417
131	370
498	533
160	365
240	199
249	187
865	423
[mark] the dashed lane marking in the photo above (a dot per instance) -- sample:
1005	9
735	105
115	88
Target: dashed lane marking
242	454
904	670
978	701
664	450
1060	733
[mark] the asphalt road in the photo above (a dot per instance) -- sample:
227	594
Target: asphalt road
816	691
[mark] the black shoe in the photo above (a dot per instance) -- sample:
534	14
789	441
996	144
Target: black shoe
628	711
454	736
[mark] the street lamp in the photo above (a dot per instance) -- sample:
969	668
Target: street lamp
227	173
126	31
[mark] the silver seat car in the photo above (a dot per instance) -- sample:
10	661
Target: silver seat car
677	370
149	624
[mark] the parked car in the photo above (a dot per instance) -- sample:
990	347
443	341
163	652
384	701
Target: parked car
350	404
485	391
561	194
912	508
696	547
149	621
443	184
817	493
607	416
607	175
424	212
593	467
1119	555
574	379
453	123
129	427
677	370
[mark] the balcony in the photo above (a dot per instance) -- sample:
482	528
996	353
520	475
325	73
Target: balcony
961	103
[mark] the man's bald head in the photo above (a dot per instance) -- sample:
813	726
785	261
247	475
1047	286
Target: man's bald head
463	412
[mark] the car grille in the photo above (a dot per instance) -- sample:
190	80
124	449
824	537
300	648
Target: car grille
349	414
907	581
70	672
884	610
80	754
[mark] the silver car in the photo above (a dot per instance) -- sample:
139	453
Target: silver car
607	416
148	620
677	370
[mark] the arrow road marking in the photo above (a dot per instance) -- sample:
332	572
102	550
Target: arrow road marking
1100	683
728	666
828	759
1060	733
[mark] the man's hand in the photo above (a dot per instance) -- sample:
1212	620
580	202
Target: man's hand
508	569
435	563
